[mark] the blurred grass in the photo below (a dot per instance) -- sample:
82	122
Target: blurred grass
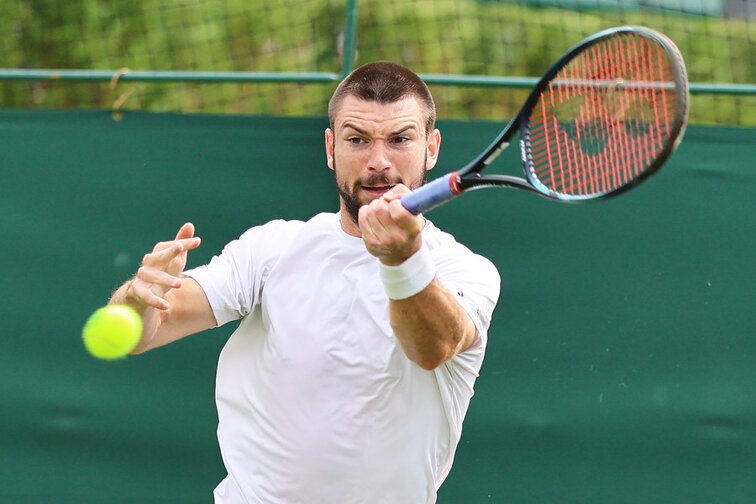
463	37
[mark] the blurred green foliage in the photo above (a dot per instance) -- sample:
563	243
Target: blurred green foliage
463	37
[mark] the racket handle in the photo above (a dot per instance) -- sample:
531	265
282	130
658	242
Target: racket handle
432	194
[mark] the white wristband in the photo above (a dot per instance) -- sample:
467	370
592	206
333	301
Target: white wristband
410	277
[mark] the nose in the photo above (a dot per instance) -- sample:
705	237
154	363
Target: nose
379	158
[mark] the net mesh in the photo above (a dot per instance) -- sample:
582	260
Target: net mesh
458	37
606	117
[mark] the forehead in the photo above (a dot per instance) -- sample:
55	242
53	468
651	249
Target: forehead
363	114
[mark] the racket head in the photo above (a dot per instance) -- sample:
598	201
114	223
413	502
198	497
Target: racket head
606	116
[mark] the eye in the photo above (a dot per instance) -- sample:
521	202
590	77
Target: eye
401	139
356	140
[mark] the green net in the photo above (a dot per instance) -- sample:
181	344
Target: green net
447	37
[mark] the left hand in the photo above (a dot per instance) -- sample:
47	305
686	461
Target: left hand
390	232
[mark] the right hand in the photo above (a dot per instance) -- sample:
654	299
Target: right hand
161	270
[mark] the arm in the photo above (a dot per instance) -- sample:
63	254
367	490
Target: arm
431	326
171	306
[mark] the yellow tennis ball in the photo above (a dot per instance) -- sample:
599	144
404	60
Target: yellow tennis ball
112	331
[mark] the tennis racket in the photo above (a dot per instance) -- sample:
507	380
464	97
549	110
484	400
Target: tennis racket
603	118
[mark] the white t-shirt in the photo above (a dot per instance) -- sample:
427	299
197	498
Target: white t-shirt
317	402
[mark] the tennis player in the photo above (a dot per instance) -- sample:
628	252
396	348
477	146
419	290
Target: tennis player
362	332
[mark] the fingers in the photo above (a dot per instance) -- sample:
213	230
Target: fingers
396	192
161	269
398	213
390	232
158	277
186	237
151	284
164	252
387	216
186	231
143	292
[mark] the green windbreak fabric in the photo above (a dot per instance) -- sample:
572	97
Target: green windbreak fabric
620	364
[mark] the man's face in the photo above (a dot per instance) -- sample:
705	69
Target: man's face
376	146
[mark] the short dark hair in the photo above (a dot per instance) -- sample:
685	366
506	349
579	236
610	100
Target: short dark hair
384	82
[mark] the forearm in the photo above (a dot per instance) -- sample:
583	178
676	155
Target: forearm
431	326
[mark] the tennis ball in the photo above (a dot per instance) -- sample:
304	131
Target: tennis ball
112	331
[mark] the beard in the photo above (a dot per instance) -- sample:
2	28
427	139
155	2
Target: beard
351	197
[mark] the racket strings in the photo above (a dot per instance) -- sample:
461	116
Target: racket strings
604	118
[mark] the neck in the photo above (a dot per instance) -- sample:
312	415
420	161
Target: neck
347	224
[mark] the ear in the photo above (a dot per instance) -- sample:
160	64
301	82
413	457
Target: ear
434	145
329	147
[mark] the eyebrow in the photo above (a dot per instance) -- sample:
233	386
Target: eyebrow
365	133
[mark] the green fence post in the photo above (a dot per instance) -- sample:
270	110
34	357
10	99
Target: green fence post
350	38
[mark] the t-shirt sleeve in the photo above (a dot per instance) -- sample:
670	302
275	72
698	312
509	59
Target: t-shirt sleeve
233	281
475	283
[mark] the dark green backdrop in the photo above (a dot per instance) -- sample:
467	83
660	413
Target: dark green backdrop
621	358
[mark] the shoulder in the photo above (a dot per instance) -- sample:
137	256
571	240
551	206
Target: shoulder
463	271
444	247
262	242
278	228
439	240
274	237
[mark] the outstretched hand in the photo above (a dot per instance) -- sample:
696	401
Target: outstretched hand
161	269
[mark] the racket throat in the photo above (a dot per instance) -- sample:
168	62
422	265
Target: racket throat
491	157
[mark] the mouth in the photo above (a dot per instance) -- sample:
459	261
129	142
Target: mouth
376	191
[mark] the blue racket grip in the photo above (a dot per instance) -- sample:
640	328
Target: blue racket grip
431	194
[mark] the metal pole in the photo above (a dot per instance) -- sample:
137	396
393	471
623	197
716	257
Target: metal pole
169	76
711	88
350	38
